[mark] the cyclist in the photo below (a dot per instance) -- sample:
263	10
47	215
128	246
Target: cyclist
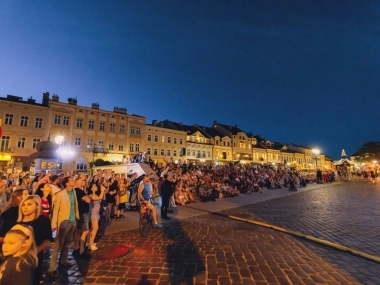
144	196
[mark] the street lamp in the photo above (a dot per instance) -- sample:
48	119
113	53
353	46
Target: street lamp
316	153
59	139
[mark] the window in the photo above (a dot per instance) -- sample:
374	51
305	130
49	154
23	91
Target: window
38	123
102	126
175	140
137	147
148	150
81	164
208	154
89	143
79	123
122	129
121	146
149	138
188	152
180	141
100	144
5	142
64	142
193	152
77	142
21	142
59	165
66	120
8	119
203	154
242	145
169	139
24	121
174	153
138	130
156	138
217	142
132	130
228	143
163	139
57	119
162	152
155	151
112	127
198	153
131	147
110	145
168	152
35	142
234	144
91	124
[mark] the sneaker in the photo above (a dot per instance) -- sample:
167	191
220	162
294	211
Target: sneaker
66	265
93	247
52	274
157	226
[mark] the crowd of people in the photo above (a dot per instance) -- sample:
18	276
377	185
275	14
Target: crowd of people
64	209
67	208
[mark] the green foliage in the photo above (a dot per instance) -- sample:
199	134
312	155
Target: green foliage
101	162
368	151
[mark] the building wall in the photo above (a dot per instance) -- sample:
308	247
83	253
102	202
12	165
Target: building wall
162	141
15	151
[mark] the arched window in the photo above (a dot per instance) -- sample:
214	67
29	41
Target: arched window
81	164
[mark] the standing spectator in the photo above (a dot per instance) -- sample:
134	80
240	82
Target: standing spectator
96	194
43	192
166	192
21	256
3	195
10	211
29	214
65	214
84	216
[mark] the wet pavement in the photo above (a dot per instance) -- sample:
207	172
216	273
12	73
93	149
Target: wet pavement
213	249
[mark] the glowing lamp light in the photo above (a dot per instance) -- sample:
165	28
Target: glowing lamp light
315	151
59	139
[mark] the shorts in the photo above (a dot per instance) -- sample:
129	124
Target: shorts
83	223
122	206
147	206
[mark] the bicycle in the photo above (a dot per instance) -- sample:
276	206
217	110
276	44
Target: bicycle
146	219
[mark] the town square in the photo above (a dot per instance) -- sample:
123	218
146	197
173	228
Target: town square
189	142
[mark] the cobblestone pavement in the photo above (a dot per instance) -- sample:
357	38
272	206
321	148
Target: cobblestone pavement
212	249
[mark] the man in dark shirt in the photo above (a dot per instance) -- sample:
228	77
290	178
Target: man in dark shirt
84	216
166	192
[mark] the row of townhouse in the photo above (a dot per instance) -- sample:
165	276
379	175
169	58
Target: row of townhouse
89	133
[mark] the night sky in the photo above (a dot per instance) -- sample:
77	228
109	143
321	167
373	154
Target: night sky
303	71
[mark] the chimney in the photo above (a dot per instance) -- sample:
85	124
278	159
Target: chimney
120	110
45	98
55	98
72	101
31	100
154	123
95	106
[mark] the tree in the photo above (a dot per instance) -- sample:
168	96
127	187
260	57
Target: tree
368	151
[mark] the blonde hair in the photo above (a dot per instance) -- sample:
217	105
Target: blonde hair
36	199
13	200
28	253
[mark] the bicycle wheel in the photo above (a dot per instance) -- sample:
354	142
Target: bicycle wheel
144	225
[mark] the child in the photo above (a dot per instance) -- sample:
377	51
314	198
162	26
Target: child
21	256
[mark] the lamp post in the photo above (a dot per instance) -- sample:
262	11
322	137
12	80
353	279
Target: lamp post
316	153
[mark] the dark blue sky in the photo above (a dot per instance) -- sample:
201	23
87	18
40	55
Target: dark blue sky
292	71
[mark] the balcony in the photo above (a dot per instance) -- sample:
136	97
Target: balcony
97	150
7	149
